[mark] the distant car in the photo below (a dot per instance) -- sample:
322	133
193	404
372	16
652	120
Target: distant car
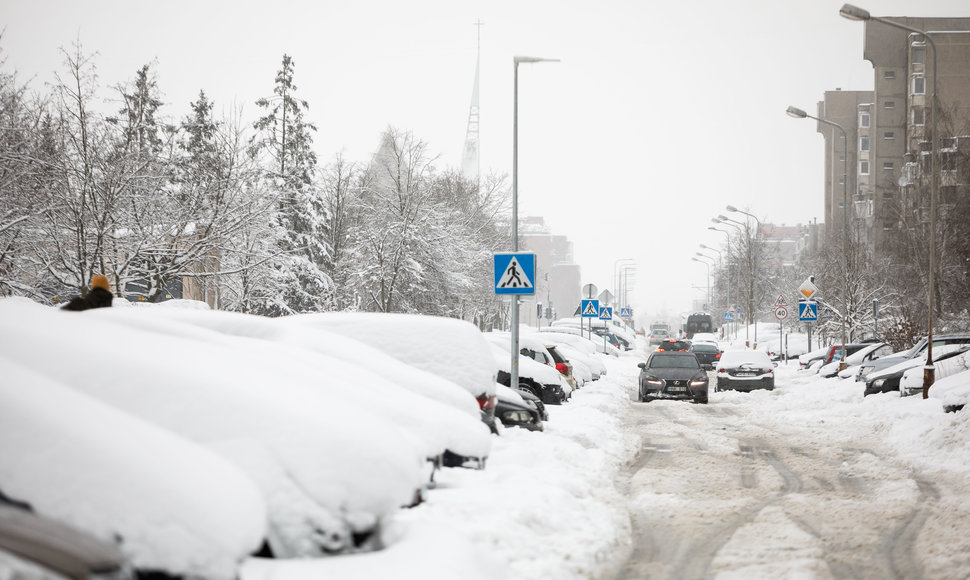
35	546
659	335
854	361
745	370
541	380
707	354
576	344
835	351
672	375
674	344
805	360
704	337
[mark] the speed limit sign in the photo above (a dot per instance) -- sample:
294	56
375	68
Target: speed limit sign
781	313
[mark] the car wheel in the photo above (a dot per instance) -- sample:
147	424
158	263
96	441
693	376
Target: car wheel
701	400
531	389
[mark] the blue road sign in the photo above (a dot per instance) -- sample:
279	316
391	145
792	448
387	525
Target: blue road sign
728	316
606	313
807	311
590	308
626	313
515	273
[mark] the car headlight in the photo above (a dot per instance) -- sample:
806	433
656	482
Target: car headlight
517	416
653	381
878	383
697	383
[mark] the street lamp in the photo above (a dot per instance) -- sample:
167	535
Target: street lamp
800	114
708	274
722	219
625	284
730	305
514	380
760	232
855	13
616	281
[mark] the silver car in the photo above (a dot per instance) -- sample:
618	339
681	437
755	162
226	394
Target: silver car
745	370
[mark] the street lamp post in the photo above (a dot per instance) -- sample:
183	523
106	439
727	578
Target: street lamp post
722	219
710	297
514	379
855	13
800	114
616	281
760	233
720	260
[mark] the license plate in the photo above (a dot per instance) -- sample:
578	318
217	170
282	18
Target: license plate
744	374
671	389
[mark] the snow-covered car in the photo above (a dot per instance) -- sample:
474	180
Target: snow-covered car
541	380
546	352
174	506
805	360
704	337
855	361
572	326
888	379
584	346
450	348
515	411
281	415
952	390
946	363
456	439
745	370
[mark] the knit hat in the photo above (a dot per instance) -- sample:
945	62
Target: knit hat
99	281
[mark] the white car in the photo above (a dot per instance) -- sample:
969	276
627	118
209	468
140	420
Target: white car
946	364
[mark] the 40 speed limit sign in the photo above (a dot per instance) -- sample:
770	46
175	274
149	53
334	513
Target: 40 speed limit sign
781	313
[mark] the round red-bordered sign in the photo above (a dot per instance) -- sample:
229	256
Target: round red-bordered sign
781	313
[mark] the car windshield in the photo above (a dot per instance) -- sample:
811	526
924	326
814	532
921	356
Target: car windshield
673	362
705	348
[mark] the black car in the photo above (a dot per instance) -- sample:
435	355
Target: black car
672	375
707	354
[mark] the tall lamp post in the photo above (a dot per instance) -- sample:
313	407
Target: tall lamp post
616	280
514	379
800	114
855	13
722	219
710	296
730	305
760	231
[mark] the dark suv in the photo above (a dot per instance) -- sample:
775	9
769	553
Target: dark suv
707	354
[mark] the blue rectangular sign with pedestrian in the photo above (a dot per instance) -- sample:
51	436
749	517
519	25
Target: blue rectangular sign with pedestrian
807	311
589	308
515	273
606	313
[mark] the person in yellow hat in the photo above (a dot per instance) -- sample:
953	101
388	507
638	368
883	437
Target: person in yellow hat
98	297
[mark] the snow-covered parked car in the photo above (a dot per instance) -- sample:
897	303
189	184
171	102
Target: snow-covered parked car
447	417
450	348
854	361
540	380
567	327
543	352
889	379
330	464
945	364
173	506
584	346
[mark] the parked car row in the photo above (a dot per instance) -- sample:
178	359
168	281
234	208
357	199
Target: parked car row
883	371
190	440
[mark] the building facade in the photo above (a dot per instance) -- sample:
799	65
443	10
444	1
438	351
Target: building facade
558	279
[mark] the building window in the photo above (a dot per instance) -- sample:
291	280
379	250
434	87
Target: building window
889	105
864	120
864	143
888	74
919	85
864	167
888	135
919	116
888	166
919	55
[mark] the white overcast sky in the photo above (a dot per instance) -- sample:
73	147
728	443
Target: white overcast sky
659	115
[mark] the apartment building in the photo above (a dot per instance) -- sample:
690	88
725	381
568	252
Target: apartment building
889	128
558	279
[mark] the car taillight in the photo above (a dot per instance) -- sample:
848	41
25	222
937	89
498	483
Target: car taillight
562	368
486	403
722	370
718	355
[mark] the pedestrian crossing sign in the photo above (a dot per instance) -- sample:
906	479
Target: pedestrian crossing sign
606	313
590	308
515	273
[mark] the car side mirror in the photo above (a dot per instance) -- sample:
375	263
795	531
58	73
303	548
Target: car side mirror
775	363
641	365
